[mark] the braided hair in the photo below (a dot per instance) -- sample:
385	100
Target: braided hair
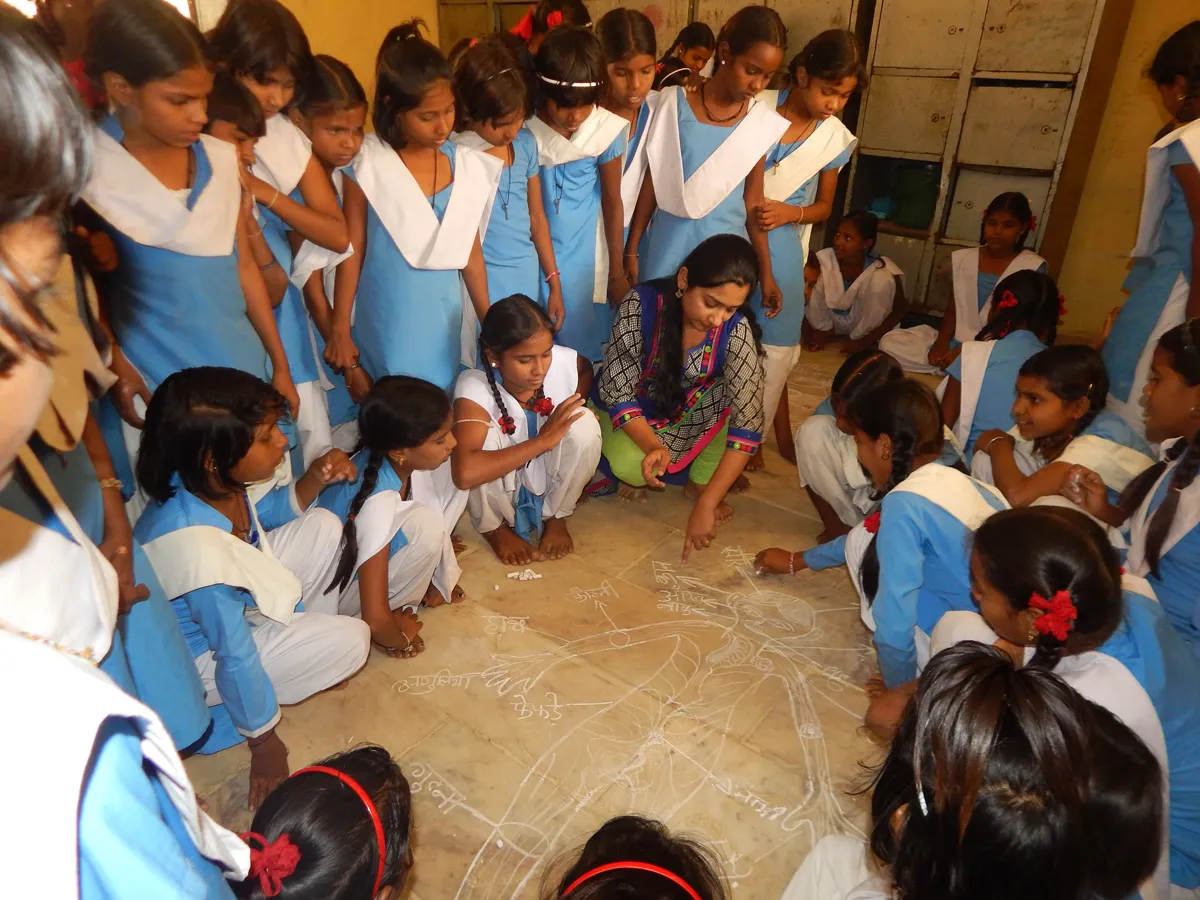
398	413
1046	549
509	322
1179	345
1017	204
909	414
1071	372
1024	301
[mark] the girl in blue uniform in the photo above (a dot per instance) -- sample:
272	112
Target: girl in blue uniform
1060	422
1163	289
1162	507
237	554
692	49
579	146
491	82
414	216
906	561
546	15
798	186
186	290
396	548
978	390
706	154
100	750
1007	224
331	111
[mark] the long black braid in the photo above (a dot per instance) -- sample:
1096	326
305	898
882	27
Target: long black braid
399	413
909	414
1180	346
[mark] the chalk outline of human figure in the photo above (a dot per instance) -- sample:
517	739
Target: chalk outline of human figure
543	806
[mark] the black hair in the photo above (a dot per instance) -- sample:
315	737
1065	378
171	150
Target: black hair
142	41
1035	308
832	56
1179	57
201	422
671	72
748	26
329	824
1046	549
231	101
573	13
332	88
492	79
624	33
399	412
693	34
45	142
256	37
720	259
1071	372
1005	782
862	372
908	413
1179	346
1015	203
637	839
865	223
509	322
406	67
571	55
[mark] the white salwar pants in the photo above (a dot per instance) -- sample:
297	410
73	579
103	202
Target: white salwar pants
312	422
318	648
777	366
827	462
837	868
910	347
411	568
569	468
864	316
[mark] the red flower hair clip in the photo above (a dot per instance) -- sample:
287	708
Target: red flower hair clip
871	522
1007	300
524	28
1062	306
554	19
1033	223
507	425
272	862
543	406
1058	615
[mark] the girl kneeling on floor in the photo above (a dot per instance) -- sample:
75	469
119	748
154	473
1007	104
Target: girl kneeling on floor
526	448
906	560
237	554
398	514
681	388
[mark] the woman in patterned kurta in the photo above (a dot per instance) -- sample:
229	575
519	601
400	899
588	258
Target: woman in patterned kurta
681	387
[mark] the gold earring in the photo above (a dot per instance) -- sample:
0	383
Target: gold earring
1031	638
886	456
679	293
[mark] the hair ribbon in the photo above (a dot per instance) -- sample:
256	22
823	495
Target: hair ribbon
1007	300
1058	613
554	19
271	862
871	522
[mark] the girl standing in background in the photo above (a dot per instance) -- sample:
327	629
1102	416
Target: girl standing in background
692	48
546	15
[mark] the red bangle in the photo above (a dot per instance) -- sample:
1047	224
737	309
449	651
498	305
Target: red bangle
551	275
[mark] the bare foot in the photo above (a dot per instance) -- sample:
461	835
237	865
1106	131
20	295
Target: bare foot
556	540
757	462
433	597
875	687
724	511
458	595
458	543
630	494
510	548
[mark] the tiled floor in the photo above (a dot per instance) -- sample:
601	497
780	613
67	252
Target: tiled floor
726	704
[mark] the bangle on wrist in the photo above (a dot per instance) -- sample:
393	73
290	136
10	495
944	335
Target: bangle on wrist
553	274
999	437
800	221
273	199
107	484
792	562
272	264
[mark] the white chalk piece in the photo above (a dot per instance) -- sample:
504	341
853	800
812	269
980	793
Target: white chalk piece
499	845
495	587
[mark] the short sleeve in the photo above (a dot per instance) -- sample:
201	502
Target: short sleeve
840	160
954	370
1177	155
744	379
615	149
529	147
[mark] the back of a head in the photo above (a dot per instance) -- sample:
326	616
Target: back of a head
1071	372
864	371
332	88
231	101
748	26
256	37
329	824
904	410
549	14
142	41
1028	300
1179	58
624	33
492	79
832	55
672	72
400	411
626	839
406	66
983	792
722	259
570	67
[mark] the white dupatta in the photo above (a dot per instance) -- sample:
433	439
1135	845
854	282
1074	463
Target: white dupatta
954	492
973	359
1154	199
633	170
827	142
964	267
840	297
727	167
1187	517
281	155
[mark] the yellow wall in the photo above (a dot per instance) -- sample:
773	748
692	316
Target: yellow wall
1106	222
351	30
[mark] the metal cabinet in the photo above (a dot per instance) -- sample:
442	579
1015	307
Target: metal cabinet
1014	126
908	114
941	288
973	191
906	253
922	34
1035	35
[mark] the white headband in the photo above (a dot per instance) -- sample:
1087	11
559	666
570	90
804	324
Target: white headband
569	84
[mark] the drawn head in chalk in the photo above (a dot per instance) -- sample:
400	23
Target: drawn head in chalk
673	861
334	834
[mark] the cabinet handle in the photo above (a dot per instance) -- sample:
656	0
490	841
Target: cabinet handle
970	204
1046	129
935	118
953	29
1001	28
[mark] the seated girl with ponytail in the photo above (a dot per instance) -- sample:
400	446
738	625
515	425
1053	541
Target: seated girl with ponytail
977	392
398	514
1060	422
243	557
906	559
1162	506
681	389
1051	593
336	830
526	448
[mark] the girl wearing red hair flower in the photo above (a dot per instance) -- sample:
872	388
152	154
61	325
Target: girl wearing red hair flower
544	16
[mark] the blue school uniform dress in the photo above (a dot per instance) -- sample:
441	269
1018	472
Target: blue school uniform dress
508	251
409	305
925	524
1153	652
337	497
1159	289
793	173
570	180
988	398
175	298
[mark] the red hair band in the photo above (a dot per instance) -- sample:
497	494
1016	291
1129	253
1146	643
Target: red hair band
1058	613
272	862
1007	300
554	19
1062	306
371	811
631	864
524	28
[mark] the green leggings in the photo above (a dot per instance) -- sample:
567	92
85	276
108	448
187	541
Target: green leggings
625	457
